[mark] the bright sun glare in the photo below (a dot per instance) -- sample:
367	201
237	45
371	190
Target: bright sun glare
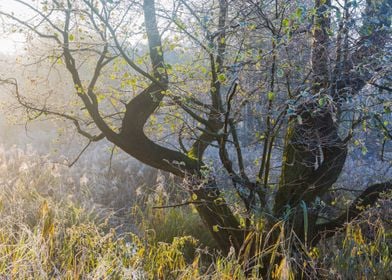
11	44
14	43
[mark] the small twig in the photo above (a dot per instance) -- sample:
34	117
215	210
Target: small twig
347	190
80	154
178	205
111	159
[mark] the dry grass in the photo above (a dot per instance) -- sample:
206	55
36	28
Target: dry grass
51	228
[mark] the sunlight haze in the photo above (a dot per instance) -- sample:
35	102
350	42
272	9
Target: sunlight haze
14	42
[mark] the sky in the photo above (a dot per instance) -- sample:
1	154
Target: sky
14	43
11	44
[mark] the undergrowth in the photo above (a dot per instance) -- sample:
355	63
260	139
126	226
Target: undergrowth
52	228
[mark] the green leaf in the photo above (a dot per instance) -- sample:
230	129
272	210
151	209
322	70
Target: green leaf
285	22
364	150
306	222
100	97
71	37
271	96
194	197
219	201
215	228
222	78
299	12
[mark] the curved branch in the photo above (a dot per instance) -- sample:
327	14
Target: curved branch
45	111
367	199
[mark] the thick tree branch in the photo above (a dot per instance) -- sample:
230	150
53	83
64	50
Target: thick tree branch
367	199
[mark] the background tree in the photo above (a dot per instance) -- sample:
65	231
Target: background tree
239	72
